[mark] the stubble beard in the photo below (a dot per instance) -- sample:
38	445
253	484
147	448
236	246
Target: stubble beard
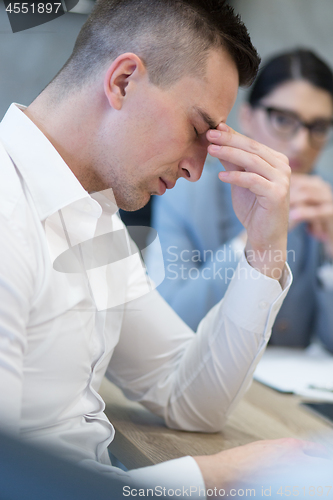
131	199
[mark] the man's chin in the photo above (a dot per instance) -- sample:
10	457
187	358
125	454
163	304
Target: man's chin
133	205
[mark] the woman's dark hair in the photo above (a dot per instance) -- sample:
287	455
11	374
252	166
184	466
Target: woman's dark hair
299	64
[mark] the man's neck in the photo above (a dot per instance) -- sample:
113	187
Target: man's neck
67	125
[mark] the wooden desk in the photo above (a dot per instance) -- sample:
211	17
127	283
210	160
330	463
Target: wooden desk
142	438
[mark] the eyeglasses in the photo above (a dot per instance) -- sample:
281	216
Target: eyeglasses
285	124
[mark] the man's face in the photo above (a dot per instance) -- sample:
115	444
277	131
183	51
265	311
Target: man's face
161	134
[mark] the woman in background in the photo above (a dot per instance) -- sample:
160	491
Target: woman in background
290	109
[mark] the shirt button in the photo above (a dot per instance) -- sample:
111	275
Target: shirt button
263	304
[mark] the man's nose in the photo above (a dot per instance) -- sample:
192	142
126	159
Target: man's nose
191	166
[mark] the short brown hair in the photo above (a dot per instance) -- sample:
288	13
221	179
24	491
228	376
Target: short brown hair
172	37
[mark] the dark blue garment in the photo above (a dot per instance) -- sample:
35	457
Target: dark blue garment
28	473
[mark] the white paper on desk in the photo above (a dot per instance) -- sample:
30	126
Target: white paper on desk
294	370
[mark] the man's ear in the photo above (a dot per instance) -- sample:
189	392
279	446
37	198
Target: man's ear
245	118
123	74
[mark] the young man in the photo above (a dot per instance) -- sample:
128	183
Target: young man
146	92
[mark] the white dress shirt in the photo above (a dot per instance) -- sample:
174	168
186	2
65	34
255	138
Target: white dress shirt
71	313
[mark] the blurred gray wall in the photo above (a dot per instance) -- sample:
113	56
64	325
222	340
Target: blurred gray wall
278	25
31	58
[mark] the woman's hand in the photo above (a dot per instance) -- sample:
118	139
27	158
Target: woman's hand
311	201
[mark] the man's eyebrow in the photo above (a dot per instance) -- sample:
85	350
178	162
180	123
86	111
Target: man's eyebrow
206	118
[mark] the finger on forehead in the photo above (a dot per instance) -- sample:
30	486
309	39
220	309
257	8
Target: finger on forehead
230	137
248	180
234	157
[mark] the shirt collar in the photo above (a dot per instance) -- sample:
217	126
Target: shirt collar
50	181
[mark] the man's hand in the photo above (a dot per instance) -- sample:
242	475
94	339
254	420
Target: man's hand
260	193
248	465
311	201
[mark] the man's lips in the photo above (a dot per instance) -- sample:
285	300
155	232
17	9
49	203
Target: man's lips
169	184
165	184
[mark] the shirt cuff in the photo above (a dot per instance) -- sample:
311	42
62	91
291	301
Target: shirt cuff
182	476
253	299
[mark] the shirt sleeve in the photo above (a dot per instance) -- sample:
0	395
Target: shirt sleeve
195	380
16	288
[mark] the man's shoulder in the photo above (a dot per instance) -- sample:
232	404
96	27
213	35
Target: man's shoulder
11	191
